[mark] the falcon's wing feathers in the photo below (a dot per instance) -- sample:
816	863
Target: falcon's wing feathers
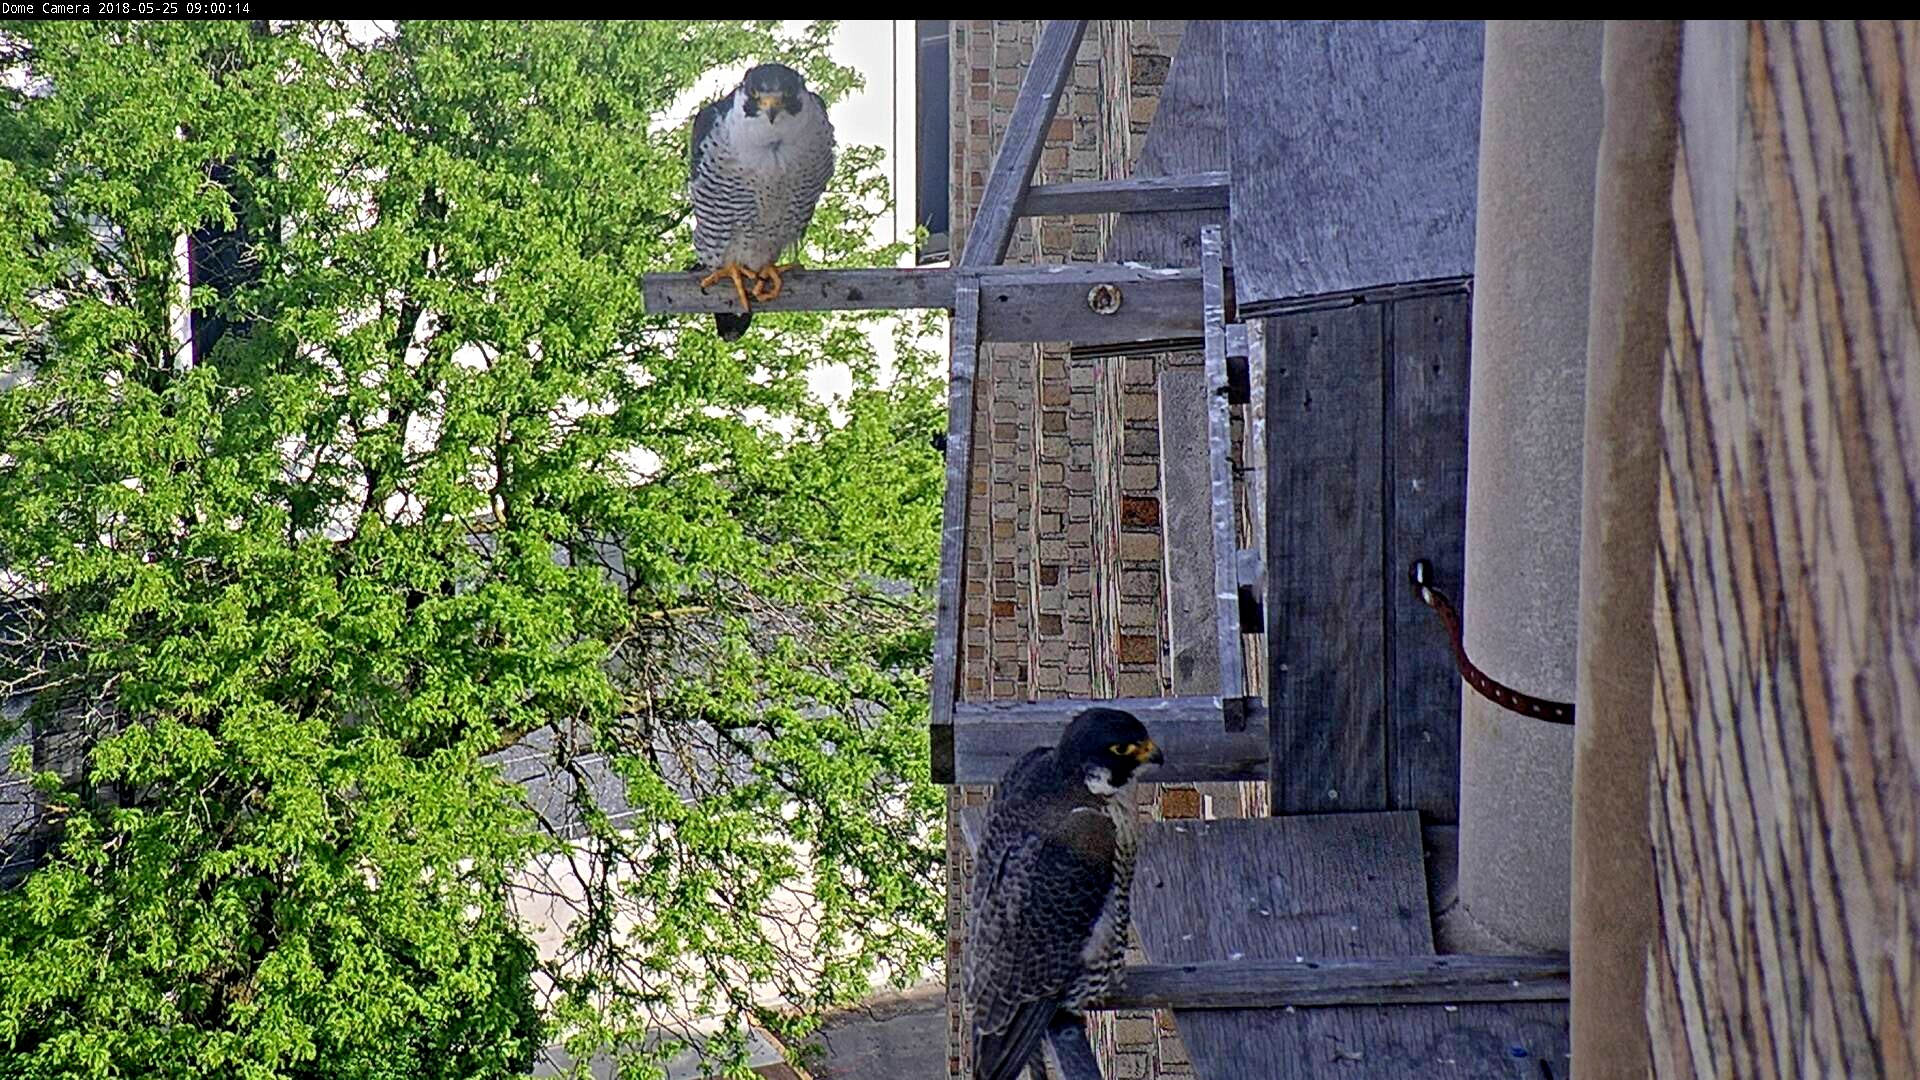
703	122
1045	875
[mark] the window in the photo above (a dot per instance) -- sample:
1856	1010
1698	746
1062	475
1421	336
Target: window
932	138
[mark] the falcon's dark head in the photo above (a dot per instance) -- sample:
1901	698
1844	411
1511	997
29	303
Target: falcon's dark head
773	89
1104	746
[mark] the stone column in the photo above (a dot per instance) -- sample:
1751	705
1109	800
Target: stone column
1614	909
1539	136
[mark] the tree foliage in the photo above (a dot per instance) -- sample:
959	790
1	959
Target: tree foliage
443	489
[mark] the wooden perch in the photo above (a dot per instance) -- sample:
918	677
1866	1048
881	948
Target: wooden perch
884	288
989	736
1384	980
1078	303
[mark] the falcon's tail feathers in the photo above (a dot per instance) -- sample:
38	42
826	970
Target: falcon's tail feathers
731	326
1002	1055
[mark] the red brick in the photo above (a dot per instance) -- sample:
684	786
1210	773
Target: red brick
1140	511
1138	649
1179	803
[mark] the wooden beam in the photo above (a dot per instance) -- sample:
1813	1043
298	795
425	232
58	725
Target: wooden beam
879	288
1079	353
1018	303
1186	510
1058	303
1196	191
1226	584
989	736
1386	980
1033	111
953	527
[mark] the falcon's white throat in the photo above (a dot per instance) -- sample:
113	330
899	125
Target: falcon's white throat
760	140
1100	780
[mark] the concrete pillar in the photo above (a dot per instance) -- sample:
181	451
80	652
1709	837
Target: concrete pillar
1613	887
1539	134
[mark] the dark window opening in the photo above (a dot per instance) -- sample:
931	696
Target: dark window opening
932	139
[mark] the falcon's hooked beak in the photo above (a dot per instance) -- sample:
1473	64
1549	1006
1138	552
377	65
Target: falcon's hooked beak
772	104
1146	753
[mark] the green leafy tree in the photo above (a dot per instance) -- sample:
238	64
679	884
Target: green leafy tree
439	486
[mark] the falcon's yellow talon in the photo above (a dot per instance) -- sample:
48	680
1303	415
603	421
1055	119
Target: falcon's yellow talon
737	274
761	276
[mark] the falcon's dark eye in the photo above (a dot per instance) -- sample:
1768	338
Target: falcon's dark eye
1123	749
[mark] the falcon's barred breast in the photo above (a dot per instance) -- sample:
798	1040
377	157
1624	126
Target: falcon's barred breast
1047	929
761	158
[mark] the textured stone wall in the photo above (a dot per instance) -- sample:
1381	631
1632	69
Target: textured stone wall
1786	698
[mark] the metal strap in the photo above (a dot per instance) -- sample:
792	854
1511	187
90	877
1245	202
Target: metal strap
1553	712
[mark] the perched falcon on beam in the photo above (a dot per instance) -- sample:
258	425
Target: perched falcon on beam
762	155
1048	927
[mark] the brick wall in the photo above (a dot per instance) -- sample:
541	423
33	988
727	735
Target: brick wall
1787	652
1065	594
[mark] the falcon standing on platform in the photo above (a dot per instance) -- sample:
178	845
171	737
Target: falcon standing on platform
762	156
1048	928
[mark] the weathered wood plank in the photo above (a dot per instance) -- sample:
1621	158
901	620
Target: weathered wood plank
1018	303
999	210
1325	609
953	528
989	736
1354	149
1427	486
1056	303
1326	887
1186	509
889	288
1226	584
1187	191
1323	886
1280	982
1382	294
1188	134
1339	888
1192	709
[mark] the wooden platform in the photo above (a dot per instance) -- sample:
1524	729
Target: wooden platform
1314	888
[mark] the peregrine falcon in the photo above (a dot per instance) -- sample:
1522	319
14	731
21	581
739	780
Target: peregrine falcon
762	155
1048	927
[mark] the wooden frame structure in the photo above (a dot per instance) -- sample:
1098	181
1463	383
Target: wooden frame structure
1106	309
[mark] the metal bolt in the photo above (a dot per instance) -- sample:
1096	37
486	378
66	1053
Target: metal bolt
1104	299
